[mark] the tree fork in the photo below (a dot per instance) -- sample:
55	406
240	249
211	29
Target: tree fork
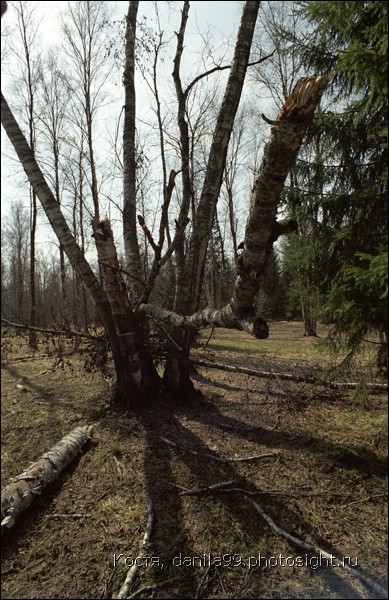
136	374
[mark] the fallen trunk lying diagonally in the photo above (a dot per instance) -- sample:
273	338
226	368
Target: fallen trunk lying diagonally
287	376
23	489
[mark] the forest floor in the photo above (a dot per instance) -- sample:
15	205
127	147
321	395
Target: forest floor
324	479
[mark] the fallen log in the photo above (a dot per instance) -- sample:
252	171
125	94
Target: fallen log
22	490
377	387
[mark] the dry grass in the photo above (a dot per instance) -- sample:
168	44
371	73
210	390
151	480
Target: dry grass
330	475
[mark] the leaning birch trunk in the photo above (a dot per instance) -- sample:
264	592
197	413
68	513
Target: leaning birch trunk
19	494
213	177
279	157
190	270
137	378
73	252
57	221
262	228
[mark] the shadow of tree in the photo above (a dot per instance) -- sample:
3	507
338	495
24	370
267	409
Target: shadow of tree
171	536
358	457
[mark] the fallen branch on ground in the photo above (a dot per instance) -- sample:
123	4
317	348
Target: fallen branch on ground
377	587
133	571
68	516
150	588
26	487
64	332
197	594
219	458
176	485
286	376
119	467
209	488
223	488
364	499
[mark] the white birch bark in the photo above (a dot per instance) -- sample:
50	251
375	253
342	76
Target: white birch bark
19	494
202	226
131	246
262	229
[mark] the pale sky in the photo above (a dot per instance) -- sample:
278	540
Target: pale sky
215	21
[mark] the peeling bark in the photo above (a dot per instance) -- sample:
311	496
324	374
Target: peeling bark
279	156
224	317
19	494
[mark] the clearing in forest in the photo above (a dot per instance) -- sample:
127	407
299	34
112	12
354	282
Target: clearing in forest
320	474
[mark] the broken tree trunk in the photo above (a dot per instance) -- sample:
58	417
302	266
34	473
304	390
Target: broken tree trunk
19	494
287	376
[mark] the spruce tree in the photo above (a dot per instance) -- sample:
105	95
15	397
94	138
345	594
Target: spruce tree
341	195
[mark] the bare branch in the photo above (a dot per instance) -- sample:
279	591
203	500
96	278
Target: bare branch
133	571
147	233
68	516
169	337
157	264
383	495
377	587
287	376
64	332
120	270
223	68
219	458
154	586
209	488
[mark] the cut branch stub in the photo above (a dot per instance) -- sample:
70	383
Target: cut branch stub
257	327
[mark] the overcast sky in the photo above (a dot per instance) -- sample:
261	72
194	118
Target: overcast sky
218	21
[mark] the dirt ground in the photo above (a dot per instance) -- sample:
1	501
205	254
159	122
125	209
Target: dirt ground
323	479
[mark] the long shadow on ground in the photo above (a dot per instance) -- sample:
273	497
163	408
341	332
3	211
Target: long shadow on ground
212	513
359	458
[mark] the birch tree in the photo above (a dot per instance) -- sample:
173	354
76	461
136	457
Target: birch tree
51	114
123	318
15	236
30	75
